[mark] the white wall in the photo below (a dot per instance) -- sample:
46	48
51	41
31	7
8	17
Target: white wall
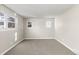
39	29
67	28
7	37
20	27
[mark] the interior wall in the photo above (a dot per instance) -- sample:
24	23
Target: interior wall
20	27
7	37
39	30
67	28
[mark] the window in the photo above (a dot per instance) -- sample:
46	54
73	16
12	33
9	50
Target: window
6	22
11	19
2	18
11	22
1	25
11	25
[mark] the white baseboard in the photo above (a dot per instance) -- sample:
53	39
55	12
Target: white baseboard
38	38
76	51
11	47
73	50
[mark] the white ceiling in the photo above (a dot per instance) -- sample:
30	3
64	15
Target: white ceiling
39	10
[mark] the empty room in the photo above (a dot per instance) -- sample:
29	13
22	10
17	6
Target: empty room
39	29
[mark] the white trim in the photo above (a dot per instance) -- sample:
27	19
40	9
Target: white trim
67	46
38	38
11	47
76	51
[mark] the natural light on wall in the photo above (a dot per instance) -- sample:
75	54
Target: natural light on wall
48	24
15	36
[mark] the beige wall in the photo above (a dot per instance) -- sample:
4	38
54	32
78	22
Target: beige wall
7	37
39	29
67	28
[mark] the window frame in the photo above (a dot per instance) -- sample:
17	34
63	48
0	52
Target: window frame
8	21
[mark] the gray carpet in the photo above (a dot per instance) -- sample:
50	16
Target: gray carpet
40	47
